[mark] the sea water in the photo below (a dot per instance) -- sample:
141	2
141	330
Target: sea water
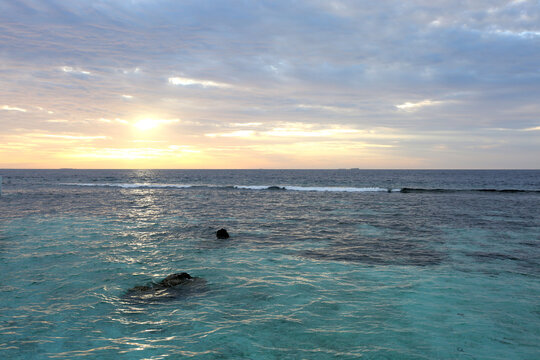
335	264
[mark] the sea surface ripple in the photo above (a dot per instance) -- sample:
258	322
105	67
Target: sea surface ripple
305	274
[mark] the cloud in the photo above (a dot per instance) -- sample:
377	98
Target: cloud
336	109
204	83
42	109
240	134
12	108
136	70
67	137
247	124
314	71
110	121
290	131
132	153
69	69
521	34
409	106
299	132
57	121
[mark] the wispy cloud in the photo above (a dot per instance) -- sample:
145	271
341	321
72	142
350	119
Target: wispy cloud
110	121
248	124
294	131
410	106
45	110
240	134
12	108
527	34
135	70
197	82
336	109
57	121
67	137
132	153
75	70
298	132
533	128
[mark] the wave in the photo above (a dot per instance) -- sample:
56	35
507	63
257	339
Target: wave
425	190
315	188
239	187
297	188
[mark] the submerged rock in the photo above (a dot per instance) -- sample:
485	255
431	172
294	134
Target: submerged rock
173	286
175	279
222	234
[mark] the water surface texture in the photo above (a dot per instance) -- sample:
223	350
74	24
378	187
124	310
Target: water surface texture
335	264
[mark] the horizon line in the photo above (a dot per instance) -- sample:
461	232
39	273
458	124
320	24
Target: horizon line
291	169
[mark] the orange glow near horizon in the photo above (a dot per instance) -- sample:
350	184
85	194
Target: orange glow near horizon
153	145
169	143
166	142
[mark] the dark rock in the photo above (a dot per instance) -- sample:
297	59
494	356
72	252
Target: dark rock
175	279
140	288
222	234
173	286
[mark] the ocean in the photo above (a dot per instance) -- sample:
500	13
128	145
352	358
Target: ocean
320	264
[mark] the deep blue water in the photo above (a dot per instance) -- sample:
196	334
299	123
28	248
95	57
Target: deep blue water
321	264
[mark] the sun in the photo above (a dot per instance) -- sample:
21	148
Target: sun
146	124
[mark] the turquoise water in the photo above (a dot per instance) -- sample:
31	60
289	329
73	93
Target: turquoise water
305	274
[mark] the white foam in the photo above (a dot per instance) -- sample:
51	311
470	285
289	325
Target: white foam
335	189
252	187
314	188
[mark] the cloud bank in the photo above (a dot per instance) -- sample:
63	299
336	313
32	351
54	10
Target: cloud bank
424	84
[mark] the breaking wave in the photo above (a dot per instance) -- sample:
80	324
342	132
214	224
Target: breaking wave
421	190
239	187
296	188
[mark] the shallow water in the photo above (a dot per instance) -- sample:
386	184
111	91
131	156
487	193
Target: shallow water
307	273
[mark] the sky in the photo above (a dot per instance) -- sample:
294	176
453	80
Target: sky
270	84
